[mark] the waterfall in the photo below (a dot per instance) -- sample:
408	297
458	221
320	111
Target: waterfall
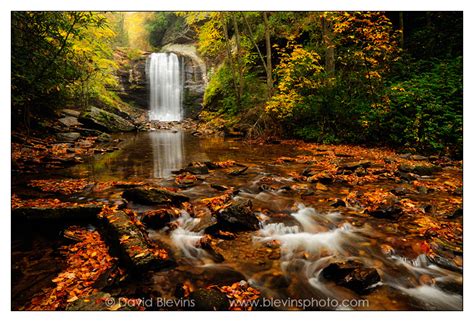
166	84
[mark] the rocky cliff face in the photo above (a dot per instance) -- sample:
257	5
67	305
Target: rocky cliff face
132	78
134	84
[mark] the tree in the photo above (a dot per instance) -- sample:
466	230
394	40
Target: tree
268	46
56	57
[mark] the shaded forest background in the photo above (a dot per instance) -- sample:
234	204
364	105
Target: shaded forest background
374	78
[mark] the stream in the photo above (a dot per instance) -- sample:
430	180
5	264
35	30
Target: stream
300	231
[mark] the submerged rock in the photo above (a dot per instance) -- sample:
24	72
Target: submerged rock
209	300
352	166
386	212
421	170
238	217
154	196
352	275
105	121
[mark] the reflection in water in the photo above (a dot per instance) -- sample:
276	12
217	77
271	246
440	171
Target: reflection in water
168	152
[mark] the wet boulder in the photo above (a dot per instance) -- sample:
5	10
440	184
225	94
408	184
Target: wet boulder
159	218
197	168
339	203
154	196
206	244
239	216
102	120
352	275
209	300
132	244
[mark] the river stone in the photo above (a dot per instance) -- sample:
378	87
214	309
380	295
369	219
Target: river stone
209	300
418	157
339	203
456	214
104	137
387	212
70	121
69	112
238	217
421	170
157	219
99	301
351	166
154	196
352	275
68	137
105	121
132	244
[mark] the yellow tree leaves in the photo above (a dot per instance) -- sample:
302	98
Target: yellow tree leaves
369	34
298	71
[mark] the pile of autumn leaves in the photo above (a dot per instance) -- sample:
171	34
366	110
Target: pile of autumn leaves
87	261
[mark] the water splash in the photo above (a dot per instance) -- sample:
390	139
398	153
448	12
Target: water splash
311	238
166	84
434	298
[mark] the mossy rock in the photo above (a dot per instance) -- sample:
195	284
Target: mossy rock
209	300
105	121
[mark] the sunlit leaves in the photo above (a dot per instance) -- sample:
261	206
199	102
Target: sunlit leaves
298	72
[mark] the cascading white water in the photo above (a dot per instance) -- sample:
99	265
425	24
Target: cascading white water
166	84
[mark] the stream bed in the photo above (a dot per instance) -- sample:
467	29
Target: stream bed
302	228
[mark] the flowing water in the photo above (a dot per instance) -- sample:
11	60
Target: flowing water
298	236
166	85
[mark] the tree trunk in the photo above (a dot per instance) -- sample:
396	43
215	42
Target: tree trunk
229	57
250	35
239	58
328	38
269	55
